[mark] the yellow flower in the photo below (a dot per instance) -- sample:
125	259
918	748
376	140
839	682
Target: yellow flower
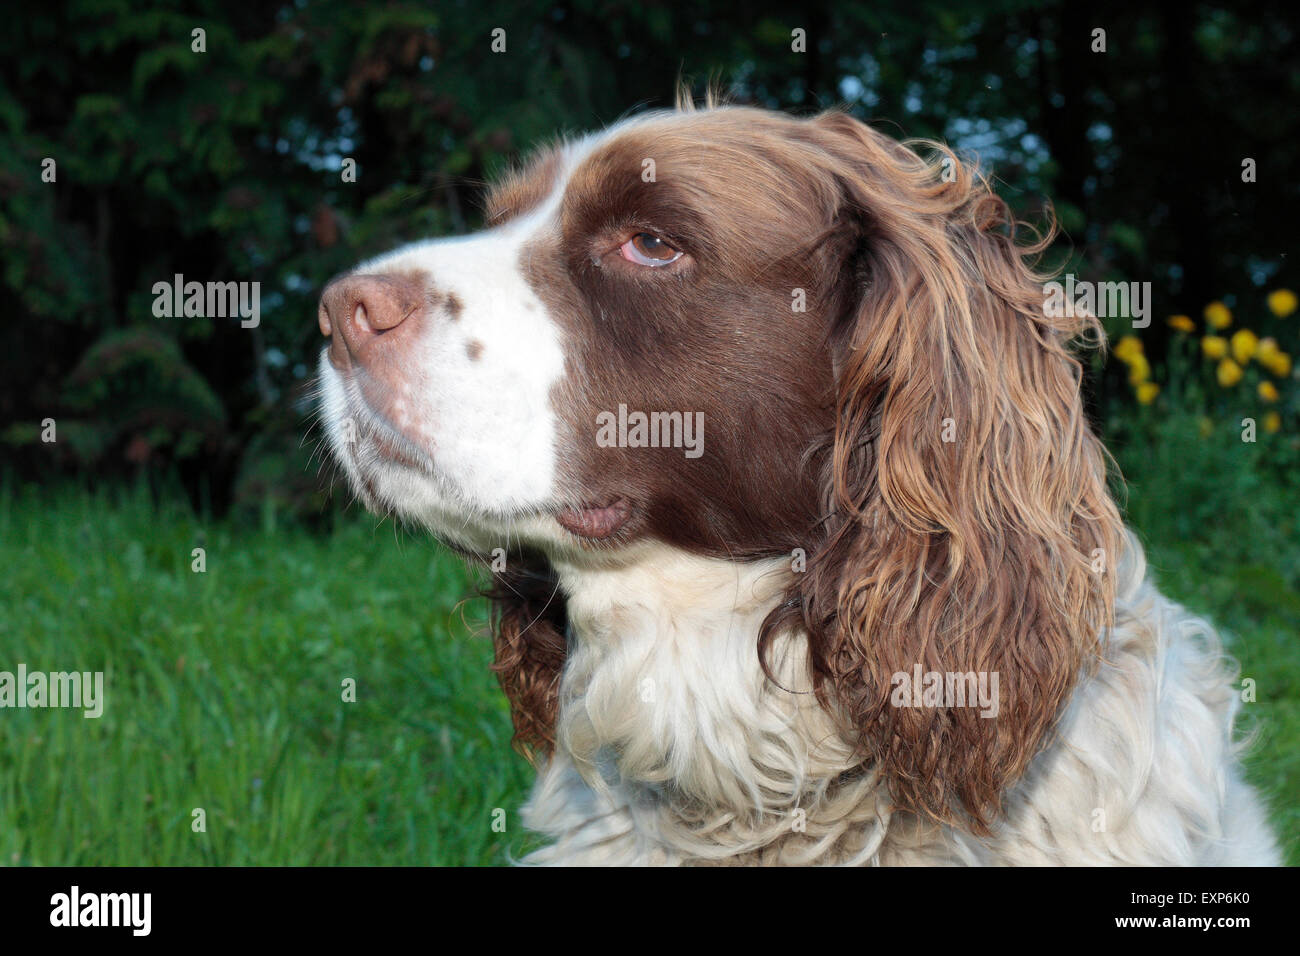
1127	347
1139	369
1228	373
1268	391
1205	426
1272	422
1214	346
1281	302
1217	315
1266	351
1244	343
1147	392
1279	364
1182	323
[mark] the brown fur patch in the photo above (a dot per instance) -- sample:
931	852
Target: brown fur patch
523	189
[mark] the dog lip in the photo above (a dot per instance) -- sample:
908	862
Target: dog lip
595	522
391	451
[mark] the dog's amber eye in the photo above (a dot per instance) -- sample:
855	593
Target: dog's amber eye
646	249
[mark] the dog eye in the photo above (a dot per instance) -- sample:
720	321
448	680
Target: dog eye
646	249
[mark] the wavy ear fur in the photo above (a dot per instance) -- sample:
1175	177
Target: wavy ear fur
528	634
986	552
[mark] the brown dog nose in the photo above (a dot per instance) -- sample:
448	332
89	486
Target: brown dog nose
355	311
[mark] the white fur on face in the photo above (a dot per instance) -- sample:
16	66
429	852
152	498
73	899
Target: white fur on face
486	424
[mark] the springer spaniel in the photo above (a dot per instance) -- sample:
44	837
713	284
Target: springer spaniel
809	555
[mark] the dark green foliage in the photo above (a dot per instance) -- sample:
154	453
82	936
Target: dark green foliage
154	395
225	165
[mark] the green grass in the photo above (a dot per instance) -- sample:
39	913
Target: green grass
225	688
1220	523
224	692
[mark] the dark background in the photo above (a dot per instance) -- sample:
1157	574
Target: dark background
225	166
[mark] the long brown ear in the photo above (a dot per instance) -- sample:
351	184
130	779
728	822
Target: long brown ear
970	525
528	634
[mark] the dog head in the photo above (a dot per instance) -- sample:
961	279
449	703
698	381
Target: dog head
740	334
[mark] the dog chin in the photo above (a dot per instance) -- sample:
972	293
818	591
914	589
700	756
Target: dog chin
392	474
428	500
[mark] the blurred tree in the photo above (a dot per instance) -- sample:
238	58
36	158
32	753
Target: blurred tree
226	165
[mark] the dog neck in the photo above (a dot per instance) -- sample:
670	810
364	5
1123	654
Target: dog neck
667	715
664	688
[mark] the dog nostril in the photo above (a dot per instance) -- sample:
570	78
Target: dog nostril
358	308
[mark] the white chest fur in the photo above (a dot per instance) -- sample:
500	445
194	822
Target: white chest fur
673	746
